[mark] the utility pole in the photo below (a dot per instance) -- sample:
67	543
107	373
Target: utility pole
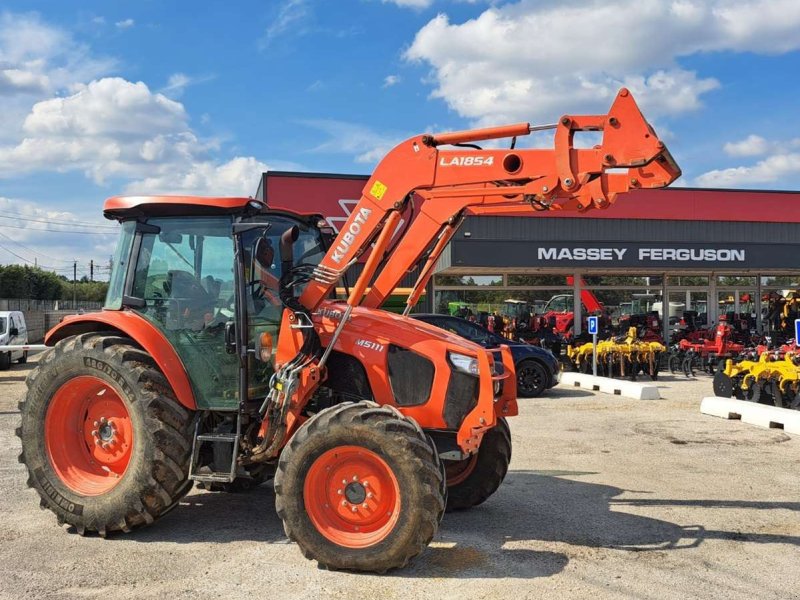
91	270
74	284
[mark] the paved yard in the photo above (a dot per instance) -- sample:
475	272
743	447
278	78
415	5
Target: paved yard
606	497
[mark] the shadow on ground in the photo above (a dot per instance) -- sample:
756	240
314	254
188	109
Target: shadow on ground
562	391
534	506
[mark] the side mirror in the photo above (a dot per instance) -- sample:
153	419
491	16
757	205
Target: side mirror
263	252
13	331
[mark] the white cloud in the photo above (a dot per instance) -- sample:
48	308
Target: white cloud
61	114
534	59
106	128
237	177
367	146
780	168
38	59
178	82
410	3
391	80
36	62
112	128
752	145
125	24
290	14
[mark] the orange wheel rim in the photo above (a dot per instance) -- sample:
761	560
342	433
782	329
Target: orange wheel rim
457	472
88	435
352	497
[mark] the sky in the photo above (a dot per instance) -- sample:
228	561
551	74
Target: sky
105	98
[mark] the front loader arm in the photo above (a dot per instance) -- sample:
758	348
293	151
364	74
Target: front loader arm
491	181
453	182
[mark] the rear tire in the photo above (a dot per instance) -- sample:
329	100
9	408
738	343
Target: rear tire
24	358
144	471
472	481
376	457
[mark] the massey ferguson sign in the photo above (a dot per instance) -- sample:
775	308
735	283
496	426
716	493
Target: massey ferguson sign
643	255
631	255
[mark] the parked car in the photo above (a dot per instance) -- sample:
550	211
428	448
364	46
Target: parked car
13	332
537	368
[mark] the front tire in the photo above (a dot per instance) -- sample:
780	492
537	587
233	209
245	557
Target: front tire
472	481
360	487
105	442
532	378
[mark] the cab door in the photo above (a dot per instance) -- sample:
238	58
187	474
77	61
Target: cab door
264	262
183	283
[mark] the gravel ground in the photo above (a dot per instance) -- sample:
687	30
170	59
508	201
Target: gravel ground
606	498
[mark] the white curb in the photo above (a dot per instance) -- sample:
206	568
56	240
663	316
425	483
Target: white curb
770	417
616	387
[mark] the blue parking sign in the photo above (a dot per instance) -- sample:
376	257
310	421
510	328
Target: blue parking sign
592	327
796	331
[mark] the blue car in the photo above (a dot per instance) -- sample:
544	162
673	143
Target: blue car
537	368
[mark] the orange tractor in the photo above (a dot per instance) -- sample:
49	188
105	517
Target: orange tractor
222	356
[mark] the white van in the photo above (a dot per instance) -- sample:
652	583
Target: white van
13	332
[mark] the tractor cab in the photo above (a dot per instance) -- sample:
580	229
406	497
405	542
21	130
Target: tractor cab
190	274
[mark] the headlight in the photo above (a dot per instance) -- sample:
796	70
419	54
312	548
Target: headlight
464	363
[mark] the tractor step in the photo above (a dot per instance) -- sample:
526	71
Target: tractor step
214	438
217	437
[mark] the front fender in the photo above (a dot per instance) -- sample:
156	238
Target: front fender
141	331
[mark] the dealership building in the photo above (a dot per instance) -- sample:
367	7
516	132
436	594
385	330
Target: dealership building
709	251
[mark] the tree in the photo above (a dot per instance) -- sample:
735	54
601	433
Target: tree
18	281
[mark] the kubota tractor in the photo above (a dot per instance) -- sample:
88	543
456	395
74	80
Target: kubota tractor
221	356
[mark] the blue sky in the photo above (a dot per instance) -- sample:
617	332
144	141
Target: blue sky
104	98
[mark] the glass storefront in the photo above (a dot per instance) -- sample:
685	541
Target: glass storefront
692	300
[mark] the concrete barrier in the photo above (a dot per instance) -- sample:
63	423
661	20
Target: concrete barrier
769	417
616	387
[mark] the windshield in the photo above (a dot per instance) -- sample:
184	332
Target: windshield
2	325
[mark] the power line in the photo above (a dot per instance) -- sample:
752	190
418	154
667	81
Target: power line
61	230
17	255
5	215
32	250
56	270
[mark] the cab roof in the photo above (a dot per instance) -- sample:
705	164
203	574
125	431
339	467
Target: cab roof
120	207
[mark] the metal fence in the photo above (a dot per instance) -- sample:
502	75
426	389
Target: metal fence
47	305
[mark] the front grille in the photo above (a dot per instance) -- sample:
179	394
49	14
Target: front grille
462	397
410	375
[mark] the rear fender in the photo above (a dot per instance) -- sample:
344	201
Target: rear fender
143	333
